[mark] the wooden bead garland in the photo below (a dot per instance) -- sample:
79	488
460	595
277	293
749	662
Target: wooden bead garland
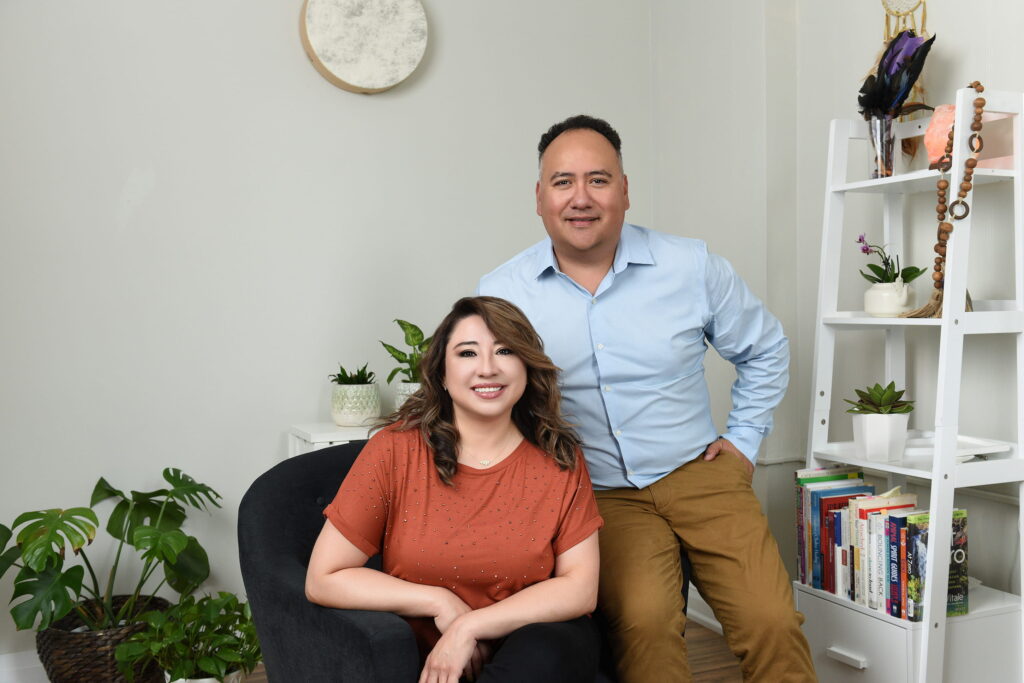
958	209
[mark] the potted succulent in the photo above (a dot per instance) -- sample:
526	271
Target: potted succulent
408	363
78	618
890	293
212	638
880	417
355	398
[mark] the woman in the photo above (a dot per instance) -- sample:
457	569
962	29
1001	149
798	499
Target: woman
479	501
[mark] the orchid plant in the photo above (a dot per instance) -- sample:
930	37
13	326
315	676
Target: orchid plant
890	270
885	91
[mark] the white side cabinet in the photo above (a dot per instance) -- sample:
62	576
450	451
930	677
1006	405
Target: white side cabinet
303	438
850	642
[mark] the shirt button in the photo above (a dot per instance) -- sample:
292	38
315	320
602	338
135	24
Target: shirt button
618	432
600	346
607	388
594	300
629	472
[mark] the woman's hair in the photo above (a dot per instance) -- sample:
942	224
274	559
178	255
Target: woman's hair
537	414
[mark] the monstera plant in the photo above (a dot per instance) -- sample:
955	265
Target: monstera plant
51	584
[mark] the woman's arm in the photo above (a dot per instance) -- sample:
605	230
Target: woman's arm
336	577
570	593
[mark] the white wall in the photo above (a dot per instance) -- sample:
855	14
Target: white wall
197	227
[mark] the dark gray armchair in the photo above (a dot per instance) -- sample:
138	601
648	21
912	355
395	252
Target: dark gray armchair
279	520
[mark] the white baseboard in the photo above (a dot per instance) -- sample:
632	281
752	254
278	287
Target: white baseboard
22	667
700	611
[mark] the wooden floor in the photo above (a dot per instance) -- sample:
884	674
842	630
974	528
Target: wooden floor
710	658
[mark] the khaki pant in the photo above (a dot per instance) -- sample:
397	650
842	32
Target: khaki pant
711	509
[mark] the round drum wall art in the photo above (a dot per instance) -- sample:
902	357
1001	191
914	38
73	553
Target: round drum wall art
364	46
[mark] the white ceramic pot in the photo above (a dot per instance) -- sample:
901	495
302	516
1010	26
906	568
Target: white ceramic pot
403	391
880	438
888	299
353	405
233	677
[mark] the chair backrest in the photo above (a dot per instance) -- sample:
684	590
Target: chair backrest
280	516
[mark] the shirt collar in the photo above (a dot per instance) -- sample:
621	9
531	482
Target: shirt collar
633	248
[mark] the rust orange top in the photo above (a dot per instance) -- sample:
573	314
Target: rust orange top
493	533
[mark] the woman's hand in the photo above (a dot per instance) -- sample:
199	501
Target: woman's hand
457	653
449	608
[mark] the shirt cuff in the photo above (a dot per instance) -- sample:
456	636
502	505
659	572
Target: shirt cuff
747	440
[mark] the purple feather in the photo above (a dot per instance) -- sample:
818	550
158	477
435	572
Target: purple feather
899	51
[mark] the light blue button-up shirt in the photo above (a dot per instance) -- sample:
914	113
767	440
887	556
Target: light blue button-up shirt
632	354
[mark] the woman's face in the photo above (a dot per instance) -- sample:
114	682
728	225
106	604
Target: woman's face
484	377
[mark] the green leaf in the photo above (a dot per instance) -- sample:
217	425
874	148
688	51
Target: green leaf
395	353
52	594
212	665
863	395
413	334
911	273
879	272
46	532
393	373
104	490
869	278
189	569
159	545
188	490
8	558
144	512
5	535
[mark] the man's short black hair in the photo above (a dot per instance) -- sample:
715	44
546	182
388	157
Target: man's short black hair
581	122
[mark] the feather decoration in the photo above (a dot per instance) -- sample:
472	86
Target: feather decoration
884	91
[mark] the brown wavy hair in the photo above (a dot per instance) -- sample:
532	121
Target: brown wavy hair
537	414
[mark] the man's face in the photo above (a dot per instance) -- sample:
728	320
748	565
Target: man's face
582	195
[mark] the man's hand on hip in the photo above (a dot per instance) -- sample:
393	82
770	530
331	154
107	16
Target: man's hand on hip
725	446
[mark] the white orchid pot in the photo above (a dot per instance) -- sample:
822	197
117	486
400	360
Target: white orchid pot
888	299
354	405
880	438
403	391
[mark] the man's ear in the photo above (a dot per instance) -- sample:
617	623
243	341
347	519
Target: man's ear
625	189
537	195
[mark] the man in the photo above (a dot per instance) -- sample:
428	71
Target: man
626	313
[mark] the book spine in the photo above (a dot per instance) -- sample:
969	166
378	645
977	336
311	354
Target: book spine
801	569
917	553
956	598
892	599
903	569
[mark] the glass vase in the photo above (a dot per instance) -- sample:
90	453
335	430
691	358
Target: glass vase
881	134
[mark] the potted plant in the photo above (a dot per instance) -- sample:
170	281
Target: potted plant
355	398
77	616
880	417
408	363
212	638
890	293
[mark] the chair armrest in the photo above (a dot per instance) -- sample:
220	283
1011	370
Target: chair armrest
314	644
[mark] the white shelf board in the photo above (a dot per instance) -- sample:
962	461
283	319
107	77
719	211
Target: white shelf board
985	319
982	602
920	181
320	432
919	453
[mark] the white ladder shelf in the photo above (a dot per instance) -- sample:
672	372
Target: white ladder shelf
932	455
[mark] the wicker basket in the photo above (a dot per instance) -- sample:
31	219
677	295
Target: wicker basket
78	657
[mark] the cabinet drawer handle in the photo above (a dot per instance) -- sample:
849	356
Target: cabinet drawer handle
856	661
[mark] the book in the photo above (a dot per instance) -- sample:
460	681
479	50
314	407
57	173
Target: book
821	502
859	509
807	525
831	500
897	606
808	476
917	553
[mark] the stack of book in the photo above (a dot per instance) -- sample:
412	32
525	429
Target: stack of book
869	548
